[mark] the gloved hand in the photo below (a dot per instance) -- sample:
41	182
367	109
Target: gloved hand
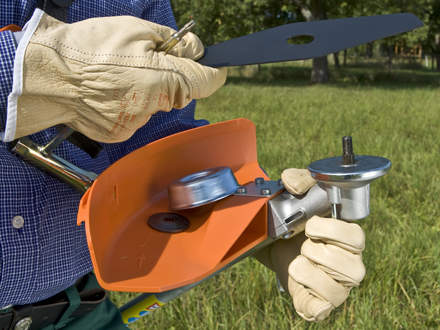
319	267
102	76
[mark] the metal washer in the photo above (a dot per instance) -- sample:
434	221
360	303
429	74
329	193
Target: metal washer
168	222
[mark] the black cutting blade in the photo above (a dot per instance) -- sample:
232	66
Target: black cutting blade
329	36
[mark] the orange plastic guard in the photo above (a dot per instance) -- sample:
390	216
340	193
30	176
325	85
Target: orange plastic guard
128	255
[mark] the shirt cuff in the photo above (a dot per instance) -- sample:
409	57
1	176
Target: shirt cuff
8	134
7	54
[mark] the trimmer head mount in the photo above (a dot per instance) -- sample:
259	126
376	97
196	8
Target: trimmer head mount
347	180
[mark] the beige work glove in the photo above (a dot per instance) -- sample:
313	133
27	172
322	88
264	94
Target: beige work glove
102	76
319	267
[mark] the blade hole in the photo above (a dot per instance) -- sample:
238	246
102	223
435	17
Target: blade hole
302	39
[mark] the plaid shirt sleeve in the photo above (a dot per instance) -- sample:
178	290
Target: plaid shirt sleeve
7	53
160	12
48	252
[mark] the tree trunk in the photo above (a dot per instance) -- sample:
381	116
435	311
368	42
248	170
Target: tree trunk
320	73
345	58
369	50
336	58
320	70
316	11
390	57
437	50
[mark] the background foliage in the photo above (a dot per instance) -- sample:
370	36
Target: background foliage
219	20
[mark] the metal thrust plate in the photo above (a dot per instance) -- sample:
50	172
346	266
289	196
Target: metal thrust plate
365	168
202	188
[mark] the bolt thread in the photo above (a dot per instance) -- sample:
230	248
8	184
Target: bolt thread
347	151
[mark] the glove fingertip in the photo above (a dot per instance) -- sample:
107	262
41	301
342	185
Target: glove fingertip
195	45
189	47
344	234
308	306
297	181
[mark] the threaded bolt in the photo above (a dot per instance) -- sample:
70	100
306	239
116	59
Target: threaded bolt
347	151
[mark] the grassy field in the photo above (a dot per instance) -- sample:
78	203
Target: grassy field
394	115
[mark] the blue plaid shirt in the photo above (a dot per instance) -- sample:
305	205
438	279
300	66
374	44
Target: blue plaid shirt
49	252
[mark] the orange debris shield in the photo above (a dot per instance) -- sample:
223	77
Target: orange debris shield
128	255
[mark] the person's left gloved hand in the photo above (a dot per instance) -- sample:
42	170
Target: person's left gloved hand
104	77
320	266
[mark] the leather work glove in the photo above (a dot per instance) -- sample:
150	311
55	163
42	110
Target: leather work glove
102	76
318	267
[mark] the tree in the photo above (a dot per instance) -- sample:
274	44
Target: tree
315	10
219	20
322	9
403	41
433	38
225	19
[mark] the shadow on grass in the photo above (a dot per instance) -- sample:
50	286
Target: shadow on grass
369	75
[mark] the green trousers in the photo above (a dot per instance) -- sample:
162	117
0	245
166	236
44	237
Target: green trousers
105	316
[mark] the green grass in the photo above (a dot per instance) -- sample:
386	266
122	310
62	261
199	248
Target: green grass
395	115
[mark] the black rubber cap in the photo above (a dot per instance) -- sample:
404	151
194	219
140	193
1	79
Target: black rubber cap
168	222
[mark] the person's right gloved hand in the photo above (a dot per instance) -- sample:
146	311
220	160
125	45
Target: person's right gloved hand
102	76
320	266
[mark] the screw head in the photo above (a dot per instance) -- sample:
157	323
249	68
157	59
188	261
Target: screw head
259	181
241	190
265	191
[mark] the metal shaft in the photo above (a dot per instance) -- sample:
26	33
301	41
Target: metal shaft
335	211
347	151
63	134
347	159
176	37
57	166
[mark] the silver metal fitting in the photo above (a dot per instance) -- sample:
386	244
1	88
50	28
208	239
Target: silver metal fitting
347	180
201	188
43	158
288	214
176	37
260	188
